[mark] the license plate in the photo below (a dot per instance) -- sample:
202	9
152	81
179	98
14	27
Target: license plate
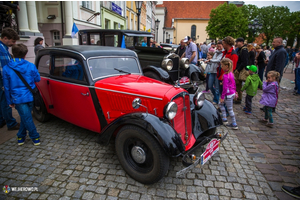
211	149
184	81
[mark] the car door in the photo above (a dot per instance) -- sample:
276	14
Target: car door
71	98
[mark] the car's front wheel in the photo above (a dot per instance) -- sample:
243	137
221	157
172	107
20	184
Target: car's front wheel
140	155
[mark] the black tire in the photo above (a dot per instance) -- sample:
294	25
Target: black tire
40	113
155	163
152	75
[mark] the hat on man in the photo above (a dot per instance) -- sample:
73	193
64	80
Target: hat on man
252	68
240	39
187	38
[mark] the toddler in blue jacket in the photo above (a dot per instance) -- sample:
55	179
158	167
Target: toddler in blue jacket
18	95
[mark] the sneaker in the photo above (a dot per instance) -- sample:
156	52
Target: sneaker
293	191
244	109
262	108
248	112
224	121
21	140
36	141
263	120
296	94
235	127
269	125
16	127
3	124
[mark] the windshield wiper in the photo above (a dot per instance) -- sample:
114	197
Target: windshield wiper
122	71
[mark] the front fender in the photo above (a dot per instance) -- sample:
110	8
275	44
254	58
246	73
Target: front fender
205	118
165	135
194	69
163	74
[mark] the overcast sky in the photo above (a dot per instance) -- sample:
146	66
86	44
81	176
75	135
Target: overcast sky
292	5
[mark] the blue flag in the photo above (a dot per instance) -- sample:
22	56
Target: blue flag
74	30
123	43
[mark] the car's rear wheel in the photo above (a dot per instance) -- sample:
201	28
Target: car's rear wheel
141	155
152	75
40	112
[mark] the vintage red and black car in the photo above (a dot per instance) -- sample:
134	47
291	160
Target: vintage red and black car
103	89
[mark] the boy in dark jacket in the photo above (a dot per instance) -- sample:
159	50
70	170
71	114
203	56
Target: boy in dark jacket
252	83
18	95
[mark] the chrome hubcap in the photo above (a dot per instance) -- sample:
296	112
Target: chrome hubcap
138	154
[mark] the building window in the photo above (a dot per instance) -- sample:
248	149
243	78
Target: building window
56	38
107	24
127	22
131	23
193	32
87	4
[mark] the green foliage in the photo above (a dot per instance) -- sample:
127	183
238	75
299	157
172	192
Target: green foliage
227	20
294	29
275	21
250	12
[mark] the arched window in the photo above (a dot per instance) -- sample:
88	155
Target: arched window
193	32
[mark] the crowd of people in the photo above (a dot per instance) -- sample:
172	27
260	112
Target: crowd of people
234	66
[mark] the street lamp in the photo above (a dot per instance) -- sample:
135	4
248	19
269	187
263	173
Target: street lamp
138	5
254	27
156	25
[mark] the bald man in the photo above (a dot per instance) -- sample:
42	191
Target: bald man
278	57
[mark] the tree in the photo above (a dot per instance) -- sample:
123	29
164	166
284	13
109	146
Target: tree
250	12
275	21
227	20
294	29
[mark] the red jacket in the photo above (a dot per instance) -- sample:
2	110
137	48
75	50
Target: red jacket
231	54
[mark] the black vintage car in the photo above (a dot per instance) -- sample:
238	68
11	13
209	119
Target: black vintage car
157	63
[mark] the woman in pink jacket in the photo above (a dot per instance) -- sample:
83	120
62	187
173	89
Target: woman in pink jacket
229	93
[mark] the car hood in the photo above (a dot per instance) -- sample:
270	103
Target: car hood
135	84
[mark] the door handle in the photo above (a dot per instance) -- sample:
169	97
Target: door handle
87	94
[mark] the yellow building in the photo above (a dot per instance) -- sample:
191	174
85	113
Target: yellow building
131	16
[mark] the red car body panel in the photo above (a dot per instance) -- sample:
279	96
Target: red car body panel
118	92
71	102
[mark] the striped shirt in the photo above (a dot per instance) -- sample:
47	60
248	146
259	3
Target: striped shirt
4	57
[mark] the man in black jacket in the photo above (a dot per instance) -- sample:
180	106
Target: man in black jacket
241	64
181	49
278	57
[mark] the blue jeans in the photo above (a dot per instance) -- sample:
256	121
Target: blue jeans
297	81
5	110
213	81
204	55
261	73
24	110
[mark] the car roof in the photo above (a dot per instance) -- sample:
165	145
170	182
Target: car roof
93	50
125	32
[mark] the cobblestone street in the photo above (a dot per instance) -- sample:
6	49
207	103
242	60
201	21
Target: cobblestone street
253	162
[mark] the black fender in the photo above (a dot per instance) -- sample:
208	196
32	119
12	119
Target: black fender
207	117
194	69
160	129
163	74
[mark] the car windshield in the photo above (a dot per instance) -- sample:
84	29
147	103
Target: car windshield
100	67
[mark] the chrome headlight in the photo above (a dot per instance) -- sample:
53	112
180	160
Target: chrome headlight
199	100
167	64
184	63
171	110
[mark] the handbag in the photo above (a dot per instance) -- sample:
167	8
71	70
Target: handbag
35	92
242	76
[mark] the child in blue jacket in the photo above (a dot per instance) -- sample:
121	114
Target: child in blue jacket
18	95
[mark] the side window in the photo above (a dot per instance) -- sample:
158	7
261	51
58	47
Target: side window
44	65
111	40
95	39
67	68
